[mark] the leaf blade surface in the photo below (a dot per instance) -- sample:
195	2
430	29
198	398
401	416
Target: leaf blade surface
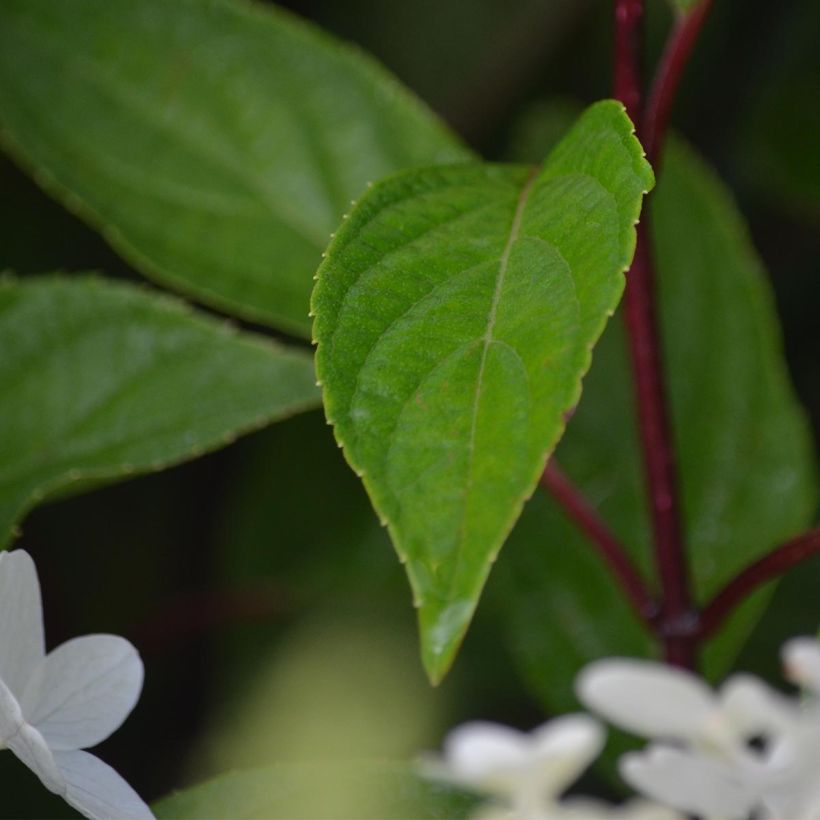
215	144
455	315
104	380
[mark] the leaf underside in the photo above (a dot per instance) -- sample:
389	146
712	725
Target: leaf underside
216	144
455	315
107	380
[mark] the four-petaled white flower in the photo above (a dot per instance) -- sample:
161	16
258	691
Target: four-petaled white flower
52	706
527	773
742	749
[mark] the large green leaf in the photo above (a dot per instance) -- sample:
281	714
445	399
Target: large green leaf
357	791
216	144
455	315
744	450
103	380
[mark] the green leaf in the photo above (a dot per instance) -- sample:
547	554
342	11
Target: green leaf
375	791
216	144
455	315
103	380
743	446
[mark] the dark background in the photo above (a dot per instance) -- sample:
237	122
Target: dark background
239	548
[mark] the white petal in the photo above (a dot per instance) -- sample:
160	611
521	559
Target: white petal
97	791
801	658
643	810
687	782
25	741
487	756
11	715
82	691
525	769
22	644
647	698
28	744
751	708
562	749
789	782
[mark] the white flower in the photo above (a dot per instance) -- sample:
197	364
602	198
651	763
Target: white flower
722	754
801	663
527	772
53	706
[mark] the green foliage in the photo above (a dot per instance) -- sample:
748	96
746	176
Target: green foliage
108	380
455	315
215	144
745	454
377	791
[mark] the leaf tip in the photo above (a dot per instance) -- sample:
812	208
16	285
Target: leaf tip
442	631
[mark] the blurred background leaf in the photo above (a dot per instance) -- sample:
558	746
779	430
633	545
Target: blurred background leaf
375	791
107	380
216	145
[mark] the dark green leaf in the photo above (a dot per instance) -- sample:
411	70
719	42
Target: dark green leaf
455	316
216	144
376	791
103	380
744	450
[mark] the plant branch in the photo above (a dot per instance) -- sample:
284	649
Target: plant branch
627	68
610	549
757	574
645	353
668	75
656	433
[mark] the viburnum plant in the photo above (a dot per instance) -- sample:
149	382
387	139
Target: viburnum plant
652	473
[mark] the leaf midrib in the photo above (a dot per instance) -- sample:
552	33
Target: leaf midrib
503	265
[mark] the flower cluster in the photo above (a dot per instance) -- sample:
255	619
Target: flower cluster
744	750
52	706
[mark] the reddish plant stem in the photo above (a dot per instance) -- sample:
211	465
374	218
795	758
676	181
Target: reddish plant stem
680	626
627	67
647	366
589	522
656	435
757	574
670	69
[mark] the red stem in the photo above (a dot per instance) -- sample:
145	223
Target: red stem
610	549
668	75
757	574
679	625
645	353
656	433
